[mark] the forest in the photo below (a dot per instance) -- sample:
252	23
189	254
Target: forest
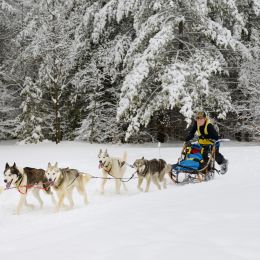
111	71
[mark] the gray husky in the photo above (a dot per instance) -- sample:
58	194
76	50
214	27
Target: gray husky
151	170
64	180
24	180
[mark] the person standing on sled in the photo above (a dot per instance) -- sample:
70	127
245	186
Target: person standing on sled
206	131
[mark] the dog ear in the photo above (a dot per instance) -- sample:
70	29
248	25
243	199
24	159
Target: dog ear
7	166
100	152
49	165
106	153
14	165
56	165
142	158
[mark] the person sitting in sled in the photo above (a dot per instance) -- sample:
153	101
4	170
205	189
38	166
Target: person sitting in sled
206	131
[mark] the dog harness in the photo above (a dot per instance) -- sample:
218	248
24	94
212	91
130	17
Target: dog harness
18	185
108	167
60	181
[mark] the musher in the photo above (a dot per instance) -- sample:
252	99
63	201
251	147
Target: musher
207	132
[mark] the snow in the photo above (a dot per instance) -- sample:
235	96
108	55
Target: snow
218	219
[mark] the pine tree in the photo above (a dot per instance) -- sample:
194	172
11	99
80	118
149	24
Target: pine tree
30	120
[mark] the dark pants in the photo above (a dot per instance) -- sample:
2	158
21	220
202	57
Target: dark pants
218	156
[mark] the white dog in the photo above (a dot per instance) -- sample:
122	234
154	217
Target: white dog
114	167
64	180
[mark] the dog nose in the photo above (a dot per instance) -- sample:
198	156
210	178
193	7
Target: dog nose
5	181
100	161
50	180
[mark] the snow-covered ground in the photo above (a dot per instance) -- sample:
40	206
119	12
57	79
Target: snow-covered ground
219	219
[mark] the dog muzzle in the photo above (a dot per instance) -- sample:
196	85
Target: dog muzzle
101	165
8	184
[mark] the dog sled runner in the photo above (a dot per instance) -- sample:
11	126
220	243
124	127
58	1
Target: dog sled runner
196	163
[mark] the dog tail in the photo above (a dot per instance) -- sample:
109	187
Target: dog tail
86	177
124	158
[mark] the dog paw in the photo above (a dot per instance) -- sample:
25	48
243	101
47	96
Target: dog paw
141	189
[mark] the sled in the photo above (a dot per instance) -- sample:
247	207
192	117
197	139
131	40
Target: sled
196	163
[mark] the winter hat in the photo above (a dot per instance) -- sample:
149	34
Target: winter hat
200	114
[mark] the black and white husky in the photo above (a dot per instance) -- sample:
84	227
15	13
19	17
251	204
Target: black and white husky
151	170
64	180
24	180
114	167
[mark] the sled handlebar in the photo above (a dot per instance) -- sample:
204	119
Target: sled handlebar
211	140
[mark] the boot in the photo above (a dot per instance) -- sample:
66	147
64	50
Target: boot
224	167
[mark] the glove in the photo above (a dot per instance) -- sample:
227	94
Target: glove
187	143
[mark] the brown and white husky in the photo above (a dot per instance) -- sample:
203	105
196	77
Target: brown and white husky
25	180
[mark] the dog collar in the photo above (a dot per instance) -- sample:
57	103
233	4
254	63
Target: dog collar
108	167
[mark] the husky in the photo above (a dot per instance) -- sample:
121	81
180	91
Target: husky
26	179
64	180
154	170
114	167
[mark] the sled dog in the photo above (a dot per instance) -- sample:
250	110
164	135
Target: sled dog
64	180
151	170
26	179
114	167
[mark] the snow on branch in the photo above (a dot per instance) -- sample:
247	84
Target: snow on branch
125	7
223	37
142	67
148	28
104	16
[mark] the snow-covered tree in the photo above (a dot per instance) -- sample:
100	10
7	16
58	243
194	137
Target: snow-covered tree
175	62
30	120
132	60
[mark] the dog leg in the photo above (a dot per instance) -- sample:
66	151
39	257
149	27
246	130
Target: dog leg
37	196
83	192
20	204
155	180
60	201
164	183
148	182
71	202
85	197
31	206
118	185
53	199
125	188
103	184
140	181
